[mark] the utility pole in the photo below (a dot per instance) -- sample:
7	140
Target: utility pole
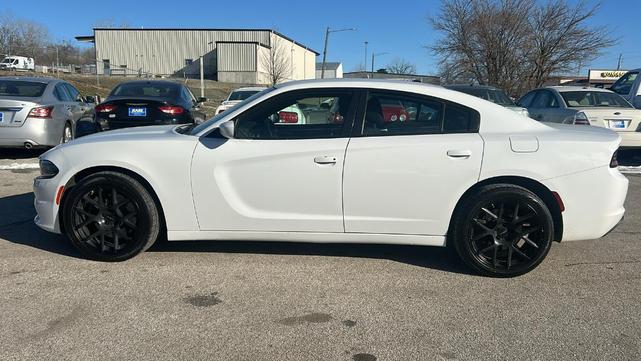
327	32
57	63
202	78
619	63
374	55
365	68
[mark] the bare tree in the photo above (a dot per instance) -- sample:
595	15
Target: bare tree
514	44
277	62
401	66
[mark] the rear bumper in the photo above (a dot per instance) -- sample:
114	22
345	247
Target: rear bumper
630	139
38	132
112	123
593	202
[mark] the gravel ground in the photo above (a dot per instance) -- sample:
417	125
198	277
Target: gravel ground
279	301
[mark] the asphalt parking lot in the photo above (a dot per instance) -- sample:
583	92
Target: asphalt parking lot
279	301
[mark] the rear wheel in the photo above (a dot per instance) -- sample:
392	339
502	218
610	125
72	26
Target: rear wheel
110	216
502	231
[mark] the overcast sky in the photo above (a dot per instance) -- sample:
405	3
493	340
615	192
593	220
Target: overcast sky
398	27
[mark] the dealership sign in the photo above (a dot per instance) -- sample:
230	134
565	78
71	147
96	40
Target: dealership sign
605	75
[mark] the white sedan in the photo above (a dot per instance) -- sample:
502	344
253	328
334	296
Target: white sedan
496	186
236	97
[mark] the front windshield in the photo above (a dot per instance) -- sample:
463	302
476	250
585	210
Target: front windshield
199	128
242	94
580	99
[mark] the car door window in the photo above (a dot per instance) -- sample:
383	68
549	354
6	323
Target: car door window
62	94
406	114
73	92
320	114
545	99
189	95
625	83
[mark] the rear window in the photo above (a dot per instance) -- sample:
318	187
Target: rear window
579	99
17	88
242	94
146	90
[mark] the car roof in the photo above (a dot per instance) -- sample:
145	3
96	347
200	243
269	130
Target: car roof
562	89
355	83
36	79
470	86
149	81
250	88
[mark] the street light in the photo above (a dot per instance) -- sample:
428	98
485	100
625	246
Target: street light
327	32
374	55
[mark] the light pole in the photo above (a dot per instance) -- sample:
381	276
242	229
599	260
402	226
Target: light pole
365	68
327	32
374	55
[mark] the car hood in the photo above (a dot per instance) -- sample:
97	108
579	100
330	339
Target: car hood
128	134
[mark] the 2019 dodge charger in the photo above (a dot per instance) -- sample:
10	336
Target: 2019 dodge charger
463	172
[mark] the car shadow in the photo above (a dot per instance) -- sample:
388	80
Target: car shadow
15	154
16	226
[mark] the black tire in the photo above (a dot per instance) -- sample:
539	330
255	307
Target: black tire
502	230
67	134
110	216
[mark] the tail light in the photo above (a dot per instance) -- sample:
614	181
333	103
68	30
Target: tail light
581	119
288	117
173	110
614	162
105	108
41	112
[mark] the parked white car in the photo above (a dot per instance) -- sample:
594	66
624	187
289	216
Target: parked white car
629	87
17	63
460	171
236	97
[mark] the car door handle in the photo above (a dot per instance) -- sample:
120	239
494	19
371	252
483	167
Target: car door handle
324	159
459	153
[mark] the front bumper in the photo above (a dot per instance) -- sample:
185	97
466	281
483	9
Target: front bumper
45	191
38	132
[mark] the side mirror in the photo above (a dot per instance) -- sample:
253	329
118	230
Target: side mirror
90	99
201	100
226	129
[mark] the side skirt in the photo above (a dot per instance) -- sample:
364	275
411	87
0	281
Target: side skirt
312	237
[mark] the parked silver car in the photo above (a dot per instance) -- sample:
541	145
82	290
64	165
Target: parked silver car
41	112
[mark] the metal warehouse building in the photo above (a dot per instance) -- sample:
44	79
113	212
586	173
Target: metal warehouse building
229	55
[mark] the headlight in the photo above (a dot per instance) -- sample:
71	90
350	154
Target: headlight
47	169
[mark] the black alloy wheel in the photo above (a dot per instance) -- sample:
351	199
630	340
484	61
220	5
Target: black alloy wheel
503	231
110	216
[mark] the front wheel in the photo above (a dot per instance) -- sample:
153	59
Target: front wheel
502	230
110	216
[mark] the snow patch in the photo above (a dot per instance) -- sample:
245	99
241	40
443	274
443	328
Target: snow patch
19	166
